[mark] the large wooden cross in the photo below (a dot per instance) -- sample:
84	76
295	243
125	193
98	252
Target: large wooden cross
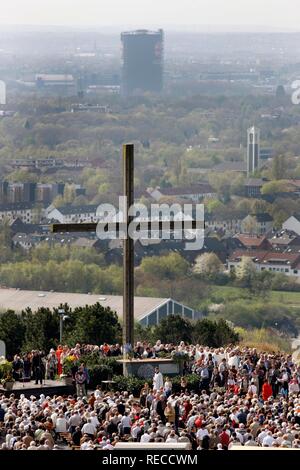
128	253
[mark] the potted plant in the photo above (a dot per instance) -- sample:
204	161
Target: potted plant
8	382
7	379
68	364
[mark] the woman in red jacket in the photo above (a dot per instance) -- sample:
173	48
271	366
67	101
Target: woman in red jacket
266	390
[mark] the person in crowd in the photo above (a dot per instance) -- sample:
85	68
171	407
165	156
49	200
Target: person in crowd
27	365
38	367
241	397
51	364
17	367
158	381
81	381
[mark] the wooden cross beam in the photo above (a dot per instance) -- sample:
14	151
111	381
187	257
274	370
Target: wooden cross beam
120	227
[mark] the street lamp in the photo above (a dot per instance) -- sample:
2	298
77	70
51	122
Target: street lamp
62	318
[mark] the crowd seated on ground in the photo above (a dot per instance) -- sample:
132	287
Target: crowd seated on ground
243	397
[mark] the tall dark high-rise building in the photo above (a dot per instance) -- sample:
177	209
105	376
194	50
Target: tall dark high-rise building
253	150
142	68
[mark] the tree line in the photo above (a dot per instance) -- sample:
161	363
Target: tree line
97	325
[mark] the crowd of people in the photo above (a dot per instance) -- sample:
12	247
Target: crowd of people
242	397
38	366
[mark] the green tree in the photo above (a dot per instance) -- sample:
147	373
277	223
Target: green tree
41	329
208	264
273	187
174	329
279	167
12	332
245	270
171	266
94	324
213	333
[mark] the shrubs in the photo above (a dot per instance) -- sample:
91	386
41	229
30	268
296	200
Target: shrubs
99	367
264	339
5	368
259	313
133	385
103	369
175	328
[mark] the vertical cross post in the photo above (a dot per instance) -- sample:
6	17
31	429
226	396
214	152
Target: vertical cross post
128	255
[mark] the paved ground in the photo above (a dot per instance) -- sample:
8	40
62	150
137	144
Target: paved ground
48	386
32	384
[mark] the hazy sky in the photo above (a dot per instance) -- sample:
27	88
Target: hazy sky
272	13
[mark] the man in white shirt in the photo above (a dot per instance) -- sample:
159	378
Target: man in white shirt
126	423
74	421
145	437
135	430
61	424
262	435
158	381
94	419
201	433
8	440
268	440
89	428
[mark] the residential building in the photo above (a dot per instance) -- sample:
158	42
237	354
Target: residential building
236	166
285	263
26	241
46	80
285	240
22	210
253	242
292	224
49	164
16	225
253	187
30	192
193	193
87	107
257	224
69	213
226	223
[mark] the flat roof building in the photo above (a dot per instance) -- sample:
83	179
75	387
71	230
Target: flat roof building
147	310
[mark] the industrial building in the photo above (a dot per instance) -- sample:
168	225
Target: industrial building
142	67
253	150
